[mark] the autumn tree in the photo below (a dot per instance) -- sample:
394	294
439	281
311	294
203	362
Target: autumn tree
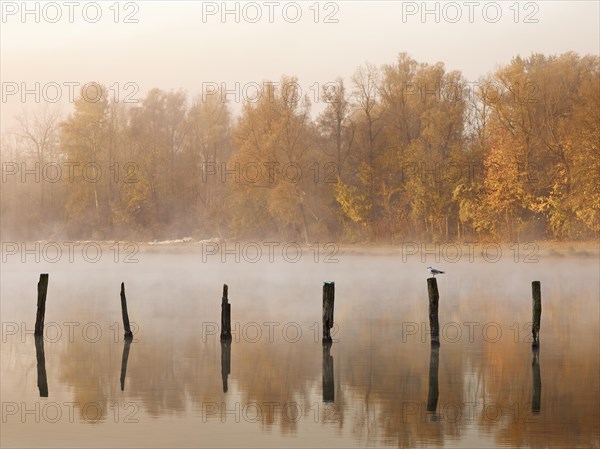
542	102
157	130
207	147
85	142
275	138
405	150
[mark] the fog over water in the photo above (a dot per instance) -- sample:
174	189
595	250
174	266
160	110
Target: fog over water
283	388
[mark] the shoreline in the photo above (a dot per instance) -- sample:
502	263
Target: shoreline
449	250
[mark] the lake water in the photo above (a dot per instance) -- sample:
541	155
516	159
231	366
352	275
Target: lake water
379	385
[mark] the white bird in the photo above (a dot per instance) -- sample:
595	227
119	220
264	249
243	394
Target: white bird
434	271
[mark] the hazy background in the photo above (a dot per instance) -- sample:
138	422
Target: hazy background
381	356
394	109
171	48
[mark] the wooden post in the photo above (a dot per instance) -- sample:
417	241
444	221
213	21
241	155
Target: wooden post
328	380
124	359
328	300
537	381
434	362
434	298
536	291
126	326
42	289
225	316
42	381
225	362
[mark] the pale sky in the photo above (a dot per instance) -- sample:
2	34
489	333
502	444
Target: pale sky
177	45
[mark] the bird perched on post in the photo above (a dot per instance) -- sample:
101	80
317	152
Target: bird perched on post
434	271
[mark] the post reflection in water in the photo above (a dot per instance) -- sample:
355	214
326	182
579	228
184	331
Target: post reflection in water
225	362
537	381
385	398
42	381
328	383
432	397
126	347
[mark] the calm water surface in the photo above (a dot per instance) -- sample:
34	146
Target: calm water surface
379	385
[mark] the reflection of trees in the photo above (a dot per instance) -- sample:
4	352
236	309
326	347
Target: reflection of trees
381	383
392	380
281	373
569	375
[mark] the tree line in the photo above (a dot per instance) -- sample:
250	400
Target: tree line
406	150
